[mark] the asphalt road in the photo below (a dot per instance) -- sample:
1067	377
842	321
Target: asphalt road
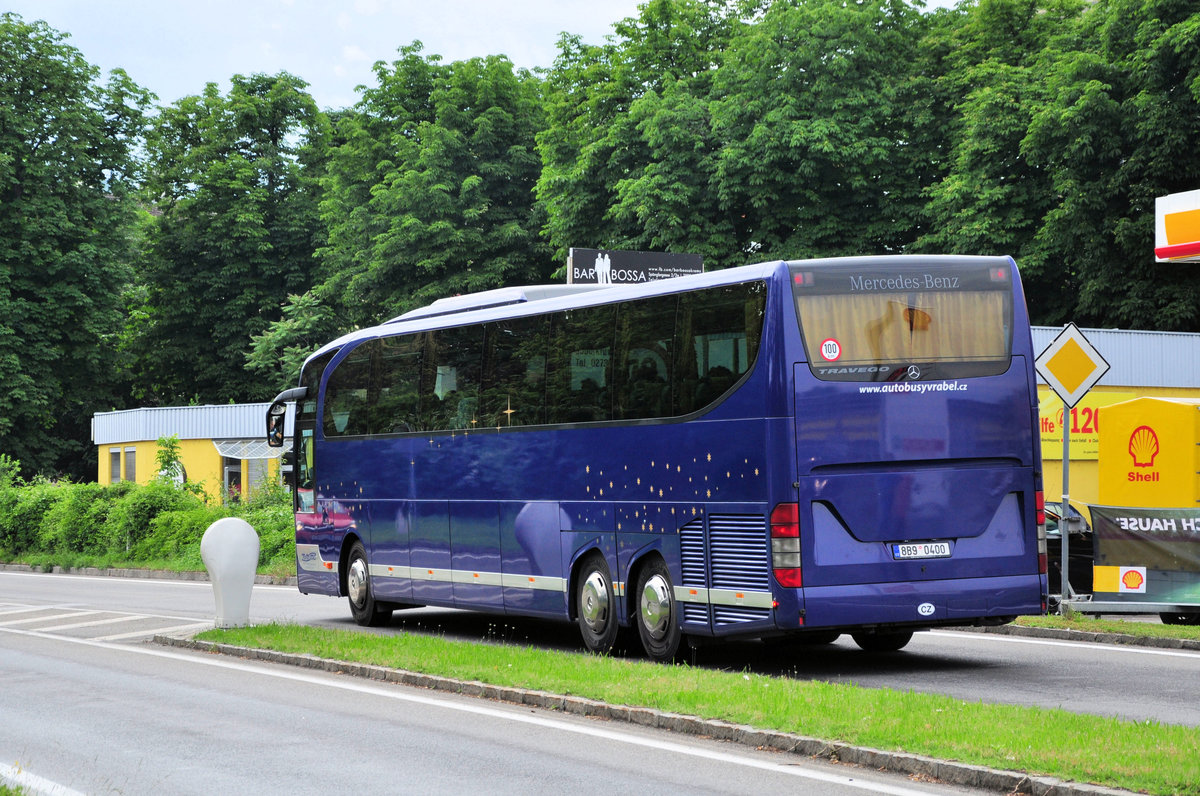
88	707
1127	682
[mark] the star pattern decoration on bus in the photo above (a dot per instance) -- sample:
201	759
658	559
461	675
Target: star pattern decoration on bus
687	484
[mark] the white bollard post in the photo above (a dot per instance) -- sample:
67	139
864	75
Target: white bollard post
229	550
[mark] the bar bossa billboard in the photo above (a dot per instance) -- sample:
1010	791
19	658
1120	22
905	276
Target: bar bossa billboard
615	267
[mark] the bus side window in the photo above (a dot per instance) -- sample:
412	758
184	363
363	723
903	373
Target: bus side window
347	405
579	372
719	332
306	424
457	359
396	386
645	349
513	386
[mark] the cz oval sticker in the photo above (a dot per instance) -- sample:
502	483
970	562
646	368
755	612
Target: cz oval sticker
926	609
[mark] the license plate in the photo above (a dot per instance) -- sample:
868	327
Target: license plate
921	550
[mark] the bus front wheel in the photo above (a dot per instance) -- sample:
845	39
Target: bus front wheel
594	604
657	616
882	642
363	607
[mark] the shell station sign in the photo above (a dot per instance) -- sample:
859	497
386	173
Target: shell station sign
1177	226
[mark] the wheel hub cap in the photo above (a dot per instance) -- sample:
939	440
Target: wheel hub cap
593	602
656	606
356	581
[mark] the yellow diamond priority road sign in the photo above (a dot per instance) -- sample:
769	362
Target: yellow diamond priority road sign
1071	365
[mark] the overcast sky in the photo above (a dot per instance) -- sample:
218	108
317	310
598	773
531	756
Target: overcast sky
174	47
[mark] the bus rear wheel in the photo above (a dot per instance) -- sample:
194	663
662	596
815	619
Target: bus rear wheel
363	607
595	605
657	615
883	642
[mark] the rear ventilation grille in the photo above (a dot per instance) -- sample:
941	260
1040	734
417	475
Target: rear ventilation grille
691	549
739	551
729	615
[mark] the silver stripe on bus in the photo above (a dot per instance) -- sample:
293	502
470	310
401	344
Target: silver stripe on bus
535	582
749	599
683	594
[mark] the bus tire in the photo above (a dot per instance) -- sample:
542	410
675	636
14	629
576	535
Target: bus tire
657	613
363	607
883	642
595	605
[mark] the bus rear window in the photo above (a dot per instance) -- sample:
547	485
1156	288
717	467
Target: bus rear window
923	322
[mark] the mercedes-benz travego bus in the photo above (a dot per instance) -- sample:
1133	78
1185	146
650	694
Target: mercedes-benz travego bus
783	450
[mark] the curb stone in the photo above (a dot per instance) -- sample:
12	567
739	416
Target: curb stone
1008	782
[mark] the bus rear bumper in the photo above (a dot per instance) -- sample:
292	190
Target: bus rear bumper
937	602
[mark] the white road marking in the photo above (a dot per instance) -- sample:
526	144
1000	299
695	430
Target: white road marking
157	631
32	619
95	622
402	694
1050	642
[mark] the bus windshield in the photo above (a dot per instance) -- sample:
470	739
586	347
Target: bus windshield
862	324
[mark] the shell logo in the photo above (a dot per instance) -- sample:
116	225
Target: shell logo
1133	580
1143	446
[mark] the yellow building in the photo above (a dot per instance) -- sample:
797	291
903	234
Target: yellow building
222	448
1143	365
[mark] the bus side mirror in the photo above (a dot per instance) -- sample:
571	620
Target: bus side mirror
276	417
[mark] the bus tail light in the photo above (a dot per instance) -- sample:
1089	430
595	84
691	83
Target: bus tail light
1040	502
785	544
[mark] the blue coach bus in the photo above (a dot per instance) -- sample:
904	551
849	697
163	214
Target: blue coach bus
788	449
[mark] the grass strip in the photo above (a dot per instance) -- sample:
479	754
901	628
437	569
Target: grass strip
1140	756
1091	624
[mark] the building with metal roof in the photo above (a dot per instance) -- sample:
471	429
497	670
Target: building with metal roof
1139	358
222	447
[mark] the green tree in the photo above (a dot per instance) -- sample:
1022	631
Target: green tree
629	153
279	352
993	199
66	165
234	180
814	110
429	191
1120	131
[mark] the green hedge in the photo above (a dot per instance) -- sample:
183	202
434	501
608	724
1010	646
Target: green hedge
157	525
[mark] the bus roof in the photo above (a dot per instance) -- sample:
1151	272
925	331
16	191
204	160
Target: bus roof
500	297
517	302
